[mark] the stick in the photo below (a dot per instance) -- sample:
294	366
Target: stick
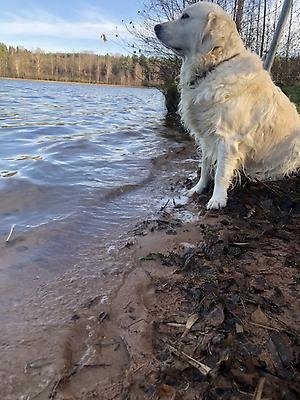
259	389
204	369
163	207
279	193
270	328
93	365
10	233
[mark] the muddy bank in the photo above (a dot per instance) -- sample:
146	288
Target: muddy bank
211	310
207	309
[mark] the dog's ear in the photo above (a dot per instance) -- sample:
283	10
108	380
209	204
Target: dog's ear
214	34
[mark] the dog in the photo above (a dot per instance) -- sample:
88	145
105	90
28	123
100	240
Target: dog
229	104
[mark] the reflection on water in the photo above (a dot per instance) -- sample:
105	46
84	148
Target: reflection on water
75	163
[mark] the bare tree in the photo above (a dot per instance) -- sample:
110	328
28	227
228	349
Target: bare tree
239	13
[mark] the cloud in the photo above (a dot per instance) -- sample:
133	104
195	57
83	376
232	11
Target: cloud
71	30
47	25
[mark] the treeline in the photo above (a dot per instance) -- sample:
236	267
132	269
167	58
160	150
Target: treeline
17	62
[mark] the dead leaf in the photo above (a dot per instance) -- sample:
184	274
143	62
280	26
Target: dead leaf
259	317
283	348
189	323
216	316
239	328
166	392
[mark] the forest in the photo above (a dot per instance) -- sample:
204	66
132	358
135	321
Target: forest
77	67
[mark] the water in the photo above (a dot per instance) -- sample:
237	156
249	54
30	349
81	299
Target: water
70	147
76	167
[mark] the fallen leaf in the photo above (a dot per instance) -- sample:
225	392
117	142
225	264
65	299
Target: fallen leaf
239	328
259	317
166	392
216	316
189	323
283	348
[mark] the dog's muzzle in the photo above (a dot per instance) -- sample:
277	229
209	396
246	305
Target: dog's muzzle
158	29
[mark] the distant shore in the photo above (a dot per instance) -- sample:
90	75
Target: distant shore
76	83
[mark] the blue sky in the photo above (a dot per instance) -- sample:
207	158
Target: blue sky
67	25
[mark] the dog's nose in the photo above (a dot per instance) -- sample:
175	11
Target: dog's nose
157	29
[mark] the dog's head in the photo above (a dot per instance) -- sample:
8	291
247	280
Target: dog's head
201	28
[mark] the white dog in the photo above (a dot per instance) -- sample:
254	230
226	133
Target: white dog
229	104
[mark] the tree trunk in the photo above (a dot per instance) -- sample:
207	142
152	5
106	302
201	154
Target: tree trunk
239	12
263	30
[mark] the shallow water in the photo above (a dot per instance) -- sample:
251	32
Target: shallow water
76	168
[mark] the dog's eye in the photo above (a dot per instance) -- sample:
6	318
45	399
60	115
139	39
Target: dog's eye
185	15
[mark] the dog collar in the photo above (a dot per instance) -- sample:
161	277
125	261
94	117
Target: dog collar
210	69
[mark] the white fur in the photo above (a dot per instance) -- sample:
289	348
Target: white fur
240	119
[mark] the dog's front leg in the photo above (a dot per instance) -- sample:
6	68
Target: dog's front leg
226	164
201	185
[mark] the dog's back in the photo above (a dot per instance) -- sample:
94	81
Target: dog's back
240	102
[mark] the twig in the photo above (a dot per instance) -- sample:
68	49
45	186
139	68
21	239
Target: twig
240	244
243	304
93	365
102	316
204	369
241	391
288	329
265	272
259	389
279	193
10	233
127	304
163	207
138	368
270	328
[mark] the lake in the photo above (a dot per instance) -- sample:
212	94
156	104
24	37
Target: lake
76	170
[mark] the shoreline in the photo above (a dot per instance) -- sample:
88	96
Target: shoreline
76	83
213	304
204	308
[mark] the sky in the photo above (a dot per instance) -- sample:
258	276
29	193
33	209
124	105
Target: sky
68	25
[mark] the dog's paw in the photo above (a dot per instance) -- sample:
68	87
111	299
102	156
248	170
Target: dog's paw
190	193
215	203
196	190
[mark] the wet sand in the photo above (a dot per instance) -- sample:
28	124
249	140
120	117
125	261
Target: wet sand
180	310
